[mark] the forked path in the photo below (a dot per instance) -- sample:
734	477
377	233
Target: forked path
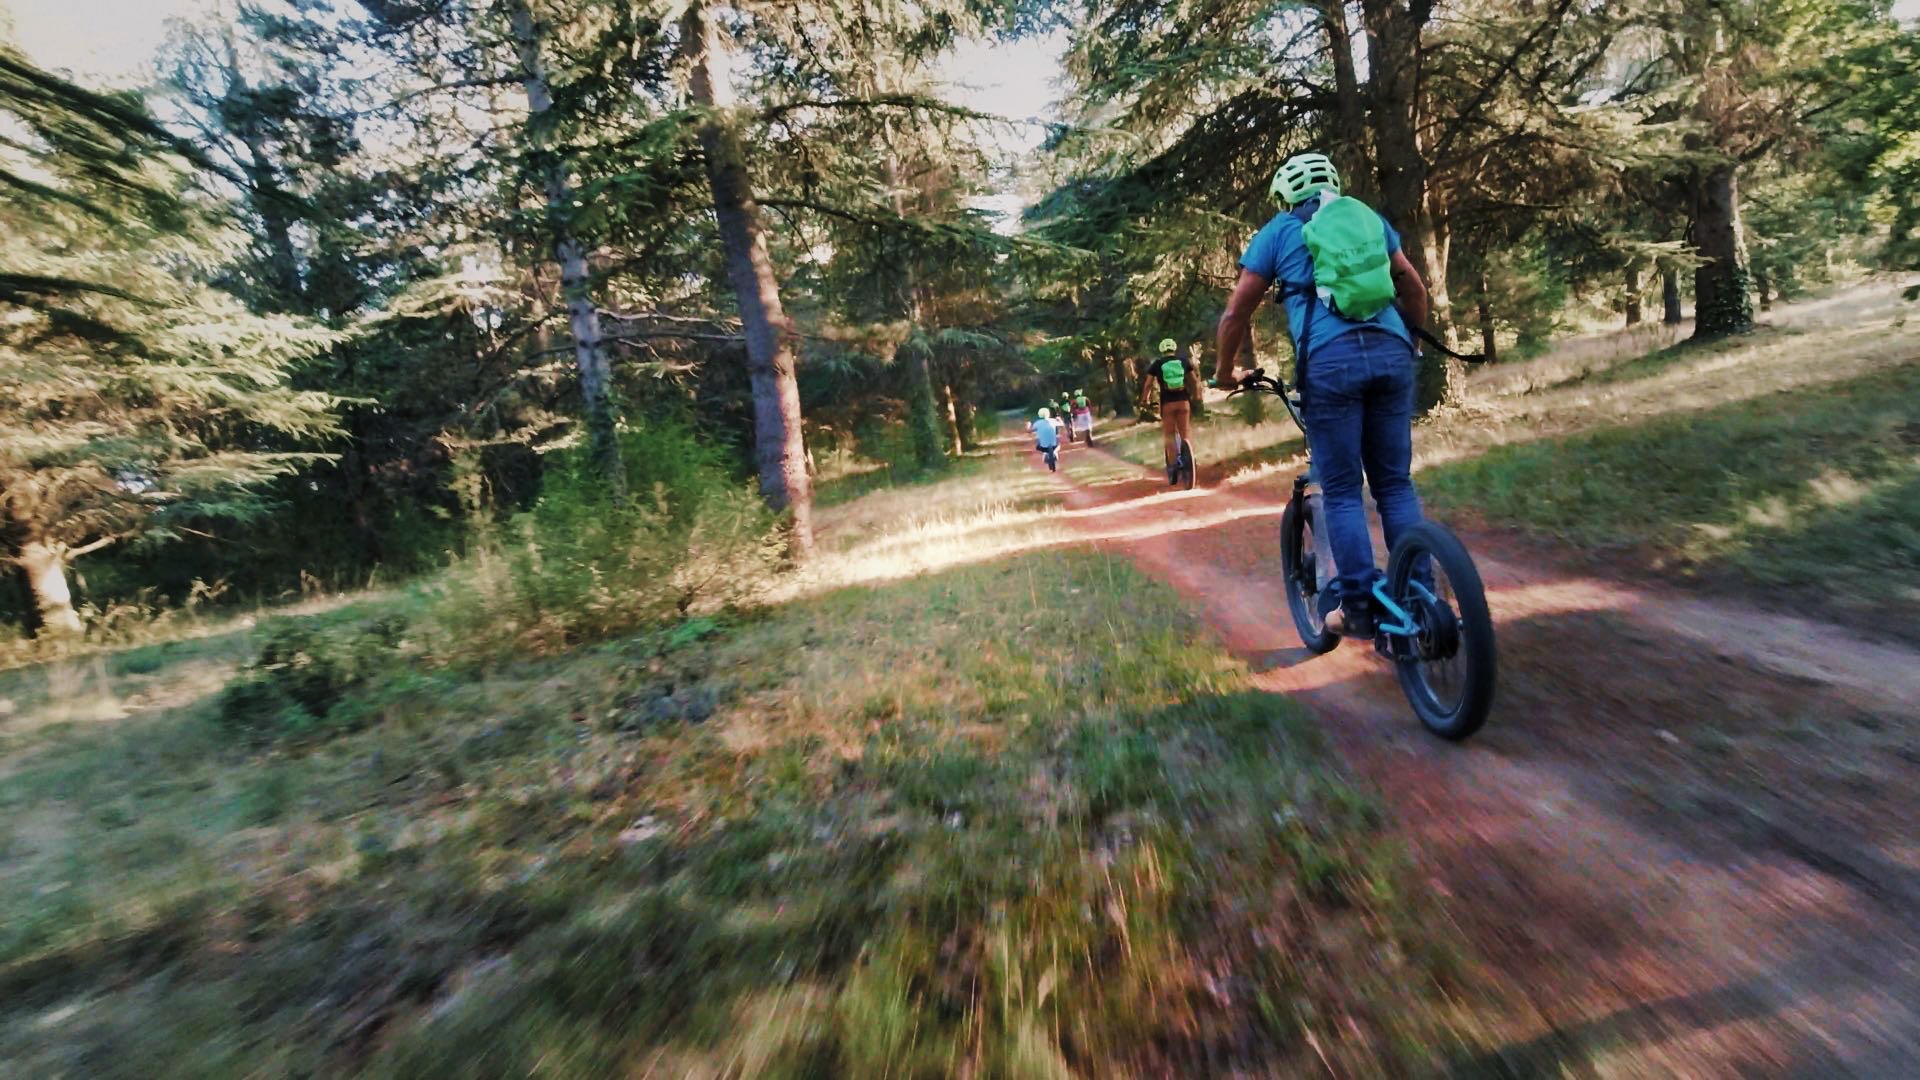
1685	842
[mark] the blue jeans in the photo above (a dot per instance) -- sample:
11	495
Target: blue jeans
1359	414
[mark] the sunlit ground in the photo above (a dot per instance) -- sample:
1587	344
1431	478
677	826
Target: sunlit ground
1623	377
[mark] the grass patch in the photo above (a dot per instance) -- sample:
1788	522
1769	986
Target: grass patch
1814	491
848	479
1013	818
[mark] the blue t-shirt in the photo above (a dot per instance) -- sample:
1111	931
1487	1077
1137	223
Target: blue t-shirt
1045	435
1278	253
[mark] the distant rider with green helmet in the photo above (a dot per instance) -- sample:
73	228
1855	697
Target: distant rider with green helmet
1349	293
1083	416
1178	381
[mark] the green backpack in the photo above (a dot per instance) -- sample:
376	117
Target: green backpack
1173	373
1349	248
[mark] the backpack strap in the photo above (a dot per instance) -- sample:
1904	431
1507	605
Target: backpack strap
1423	334
1312	293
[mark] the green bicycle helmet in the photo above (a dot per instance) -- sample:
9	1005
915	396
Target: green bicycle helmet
1303	176
1168	346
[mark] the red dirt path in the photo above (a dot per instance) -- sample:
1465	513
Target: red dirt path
1683	845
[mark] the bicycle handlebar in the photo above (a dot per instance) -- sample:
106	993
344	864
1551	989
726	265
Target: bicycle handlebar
1259	380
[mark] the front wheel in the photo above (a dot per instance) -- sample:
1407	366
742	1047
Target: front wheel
1302	576
1447	667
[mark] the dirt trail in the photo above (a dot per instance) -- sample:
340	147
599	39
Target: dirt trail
1684	843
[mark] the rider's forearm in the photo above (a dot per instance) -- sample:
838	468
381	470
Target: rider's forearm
1246	344
1409	291
1236	333
1417	307
1236	324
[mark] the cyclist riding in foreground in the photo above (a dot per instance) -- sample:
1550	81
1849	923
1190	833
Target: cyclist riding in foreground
1178	380
1348	291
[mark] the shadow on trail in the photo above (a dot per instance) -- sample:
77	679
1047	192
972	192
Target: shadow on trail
1587	1042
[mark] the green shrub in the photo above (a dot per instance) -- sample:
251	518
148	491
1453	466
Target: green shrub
887	442
299	685
578	567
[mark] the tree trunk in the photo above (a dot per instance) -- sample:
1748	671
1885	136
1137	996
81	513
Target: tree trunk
1393	83
1349	150
955	438
271	204
1197	398
267	198
771	358
1670	312
965	418
23	600
1722	296
45	567
923	417
1487	341
1122	388
1634	314
589	350
1763	289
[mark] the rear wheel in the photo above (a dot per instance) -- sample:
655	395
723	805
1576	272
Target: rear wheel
1447	670
1303	578
1186	465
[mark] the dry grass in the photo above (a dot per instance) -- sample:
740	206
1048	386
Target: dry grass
1781	463
1601	383
1003	815
999	506
175	664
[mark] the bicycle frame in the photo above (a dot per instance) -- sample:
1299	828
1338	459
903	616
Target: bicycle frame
1306	485
1403	624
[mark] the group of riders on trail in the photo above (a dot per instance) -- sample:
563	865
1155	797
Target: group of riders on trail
1052	423
1354	304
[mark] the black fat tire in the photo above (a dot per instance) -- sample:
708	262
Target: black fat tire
1186	465
1476	630
1293	546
